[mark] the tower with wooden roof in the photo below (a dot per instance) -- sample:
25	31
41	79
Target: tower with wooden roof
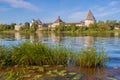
89	18
57	22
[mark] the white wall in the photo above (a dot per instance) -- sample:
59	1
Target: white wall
88	22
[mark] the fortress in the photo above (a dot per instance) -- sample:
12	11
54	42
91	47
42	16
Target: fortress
88	20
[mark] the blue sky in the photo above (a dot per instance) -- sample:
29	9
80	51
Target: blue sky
20	11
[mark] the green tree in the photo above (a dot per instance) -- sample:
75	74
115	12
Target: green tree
111	23
12	25
102	26
93	26
27	25
34	27
73	27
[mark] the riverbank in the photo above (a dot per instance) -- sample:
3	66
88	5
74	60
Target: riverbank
48	31
59	72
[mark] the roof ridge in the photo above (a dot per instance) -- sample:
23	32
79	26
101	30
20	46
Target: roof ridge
90	16
58	20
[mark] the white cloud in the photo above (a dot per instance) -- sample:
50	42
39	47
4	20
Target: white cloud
107	13
21	4
77	15
113	3
3	8
107	10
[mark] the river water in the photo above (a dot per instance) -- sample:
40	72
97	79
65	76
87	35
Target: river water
110	42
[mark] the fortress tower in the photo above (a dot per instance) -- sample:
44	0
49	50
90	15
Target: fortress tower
57	22
89	18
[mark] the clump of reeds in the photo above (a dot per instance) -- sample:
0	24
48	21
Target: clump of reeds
5	58
90	58
36	53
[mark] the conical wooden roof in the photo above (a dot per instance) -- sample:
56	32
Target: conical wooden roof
90	16
39	22
58	20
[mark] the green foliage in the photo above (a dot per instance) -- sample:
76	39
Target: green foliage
33	28
28	28
98	26
4	27
73	27
11	26
62	27
27	25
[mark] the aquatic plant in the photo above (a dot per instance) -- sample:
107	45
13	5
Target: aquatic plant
12	75
90	58
5	58
36	53
39	54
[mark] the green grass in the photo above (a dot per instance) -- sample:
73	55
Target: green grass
89	58
39	54
5	58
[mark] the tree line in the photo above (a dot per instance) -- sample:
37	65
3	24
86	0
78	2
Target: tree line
98	26
24	27
4	27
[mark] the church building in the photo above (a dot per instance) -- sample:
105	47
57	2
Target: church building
89	19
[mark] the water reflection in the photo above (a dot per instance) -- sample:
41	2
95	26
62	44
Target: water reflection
17	36
109	41
88	40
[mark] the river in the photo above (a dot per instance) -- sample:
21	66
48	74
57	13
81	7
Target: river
110	42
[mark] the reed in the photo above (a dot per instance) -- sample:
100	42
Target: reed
36	53
39	54
90	58
5	58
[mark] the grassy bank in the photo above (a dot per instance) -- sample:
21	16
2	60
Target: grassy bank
39	54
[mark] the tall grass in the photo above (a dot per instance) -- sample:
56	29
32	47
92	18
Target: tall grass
5	58
37	53
90	58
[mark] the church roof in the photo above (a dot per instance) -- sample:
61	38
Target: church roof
58	20
90	16
39	22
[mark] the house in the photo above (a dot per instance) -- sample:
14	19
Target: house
38	22
55	23
18	27
117	28
41	26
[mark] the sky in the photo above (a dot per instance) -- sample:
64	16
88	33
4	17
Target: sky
21	11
